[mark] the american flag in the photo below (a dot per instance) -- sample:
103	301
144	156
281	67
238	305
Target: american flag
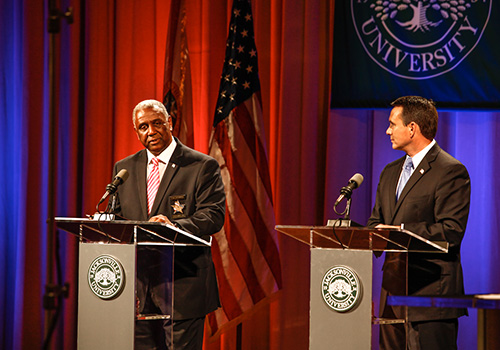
177	91
245	252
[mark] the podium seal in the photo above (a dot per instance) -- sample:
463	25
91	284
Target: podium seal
341	288
105	276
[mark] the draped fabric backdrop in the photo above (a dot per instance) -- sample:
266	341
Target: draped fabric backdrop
112	57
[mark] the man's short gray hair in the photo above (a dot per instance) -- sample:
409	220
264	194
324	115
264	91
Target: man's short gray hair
155	105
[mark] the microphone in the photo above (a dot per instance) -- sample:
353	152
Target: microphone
111	188
346	191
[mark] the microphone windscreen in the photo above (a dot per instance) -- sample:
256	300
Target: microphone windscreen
123	175
357	178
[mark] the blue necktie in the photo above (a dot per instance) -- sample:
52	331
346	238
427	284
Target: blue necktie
405	175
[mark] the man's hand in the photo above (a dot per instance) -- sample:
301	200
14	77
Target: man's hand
161	218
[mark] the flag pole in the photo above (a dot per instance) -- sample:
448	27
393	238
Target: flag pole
52	299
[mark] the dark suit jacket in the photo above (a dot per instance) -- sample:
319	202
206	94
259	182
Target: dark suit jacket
435	205
193	179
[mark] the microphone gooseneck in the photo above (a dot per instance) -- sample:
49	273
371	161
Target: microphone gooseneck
111	188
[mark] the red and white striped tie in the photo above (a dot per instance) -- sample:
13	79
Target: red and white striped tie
153	183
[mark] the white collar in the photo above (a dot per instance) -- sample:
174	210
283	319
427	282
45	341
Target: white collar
417	158
165	155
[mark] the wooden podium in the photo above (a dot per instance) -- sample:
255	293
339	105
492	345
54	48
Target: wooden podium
107	271
341	313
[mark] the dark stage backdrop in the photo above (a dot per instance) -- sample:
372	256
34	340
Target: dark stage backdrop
446	50
111	58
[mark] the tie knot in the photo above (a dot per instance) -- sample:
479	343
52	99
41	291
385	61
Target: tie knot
408	163
155	161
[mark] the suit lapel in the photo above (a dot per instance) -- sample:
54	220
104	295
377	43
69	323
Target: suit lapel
423	168
393	179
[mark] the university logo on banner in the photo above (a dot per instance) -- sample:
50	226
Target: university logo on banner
444	50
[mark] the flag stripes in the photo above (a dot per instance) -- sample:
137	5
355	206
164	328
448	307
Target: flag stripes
245	252
242	183
254	141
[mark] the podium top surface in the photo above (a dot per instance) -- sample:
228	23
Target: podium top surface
128	232
362	238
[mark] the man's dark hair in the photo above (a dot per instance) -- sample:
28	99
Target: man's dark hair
421	111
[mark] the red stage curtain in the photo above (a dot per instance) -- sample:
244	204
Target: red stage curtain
111	58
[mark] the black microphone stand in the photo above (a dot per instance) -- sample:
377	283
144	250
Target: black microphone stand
345	221
347	210
54	293
112	206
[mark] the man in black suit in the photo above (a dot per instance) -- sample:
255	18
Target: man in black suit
434	204
191	197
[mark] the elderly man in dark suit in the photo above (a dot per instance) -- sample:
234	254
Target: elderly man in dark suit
173	184
433	203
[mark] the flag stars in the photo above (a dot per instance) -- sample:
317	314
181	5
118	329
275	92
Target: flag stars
248	84
239	78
